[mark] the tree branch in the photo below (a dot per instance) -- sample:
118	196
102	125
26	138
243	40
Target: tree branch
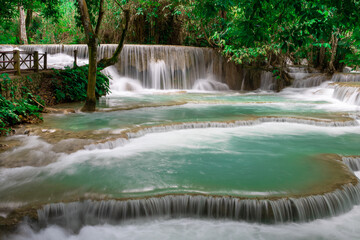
119	4
105	62
100	17
206	36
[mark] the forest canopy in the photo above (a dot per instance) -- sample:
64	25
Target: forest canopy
324	32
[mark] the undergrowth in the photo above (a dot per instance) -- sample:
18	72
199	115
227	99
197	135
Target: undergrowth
71	84
26	109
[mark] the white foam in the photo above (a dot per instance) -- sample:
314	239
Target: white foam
120	84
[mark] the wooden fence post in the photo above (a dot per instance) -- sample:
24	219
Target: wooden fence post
16	58
75	57
45	61
4	65
36	61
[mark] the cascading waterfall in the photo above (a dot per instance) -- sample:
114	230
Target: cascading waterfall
157	67
169	67
177	67
347	94
77	214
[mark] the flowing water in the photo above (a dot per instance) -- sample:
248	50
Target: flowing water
172	153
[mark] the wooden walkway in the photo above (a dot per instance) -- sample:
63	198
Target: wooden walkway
17	61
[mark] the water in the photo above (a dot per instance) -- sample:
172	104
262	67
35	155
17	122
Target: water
174	154
207	161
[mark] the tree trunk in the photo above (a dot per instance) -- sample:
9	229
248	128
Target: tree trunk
311	56
90	104
92	41
322	56
29	15
22	26
334	45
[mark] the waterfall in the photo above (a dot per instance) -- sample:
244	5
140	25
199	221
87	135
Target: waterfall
346	77
311	80
303	209
305	77
267	81
348	94
169	67
156	66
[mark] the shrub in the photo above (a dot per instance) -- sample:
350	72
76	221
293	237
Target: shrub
71	84
15	111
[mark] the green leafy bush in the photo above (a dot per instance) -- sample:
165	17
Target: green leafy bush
71	84
15	111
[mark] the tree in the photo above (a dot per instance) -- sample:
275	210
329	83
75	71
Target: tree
86	10
17	8
22	26
272	31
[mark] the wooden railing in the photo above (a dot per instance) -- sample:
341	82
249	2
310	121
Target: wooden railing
15	61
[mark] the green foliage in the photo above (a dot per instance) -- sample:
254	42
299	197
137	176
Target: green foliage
251	31
53	21
248	31
8	32
16	111
70	86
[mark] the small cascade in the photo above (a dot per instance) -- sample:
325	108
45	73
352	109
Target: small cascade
134	133
267	81
353	162
210	85
347	94
298	72
346	77
305	77
75	215
312	80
